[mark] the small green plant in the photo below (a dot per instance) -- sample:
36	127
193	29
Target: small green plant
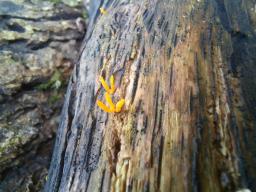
54	82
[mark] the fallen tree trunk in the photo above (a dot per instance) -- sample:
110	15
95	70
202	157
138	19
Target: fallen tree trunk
186	70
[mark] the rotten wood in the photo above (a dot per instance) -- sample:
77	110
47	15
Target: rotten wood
187	72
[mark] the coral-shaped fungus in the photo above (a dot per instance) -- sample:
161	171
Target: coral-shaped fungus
112	108
110	90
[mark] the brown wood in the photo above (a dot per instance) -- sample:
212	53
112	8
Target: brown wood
187	72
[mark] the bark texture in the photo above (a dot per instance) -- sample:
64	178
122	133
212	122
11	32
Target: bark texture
187	72
39	44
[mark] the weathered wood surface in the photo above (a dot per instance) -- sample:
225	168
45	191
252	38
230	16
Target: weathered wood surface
187	72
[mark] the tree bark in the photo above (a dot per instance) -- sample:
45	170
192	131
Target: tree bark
187	72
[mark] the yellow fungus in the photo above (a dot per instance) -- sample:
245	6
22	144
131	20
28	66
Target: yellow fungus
112	84
119	105
103	106
103	11
112	107
104	84
109	101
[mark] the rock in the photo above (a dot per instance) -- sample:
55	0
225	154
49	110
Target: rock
39	44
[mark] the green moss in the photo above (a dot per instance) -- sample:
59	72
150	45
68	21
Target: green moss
54	98
72	3
55	82
85	14
14	137
8	146
55	1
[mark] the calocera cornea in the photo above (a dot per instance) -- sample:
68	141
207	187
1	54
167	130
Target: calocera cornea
112	88
111	108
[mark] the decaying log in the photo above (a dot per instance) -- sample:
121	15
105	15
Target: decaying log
187	72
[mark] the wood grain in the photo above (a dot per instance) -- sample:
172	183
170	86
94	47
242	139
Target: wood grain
187	72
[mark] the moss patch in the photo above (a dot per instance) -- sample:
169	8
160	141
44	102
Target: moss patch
55	82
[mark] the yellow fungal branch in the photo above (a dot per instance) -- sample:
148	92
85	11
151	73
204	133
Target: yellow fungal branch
112	84
111	108
110	102
103	106
110	90
119	105
103	11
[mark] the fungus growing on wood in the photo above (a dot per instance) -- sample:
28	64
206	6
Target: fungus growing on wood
103	11
119	105
111	108
110	90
